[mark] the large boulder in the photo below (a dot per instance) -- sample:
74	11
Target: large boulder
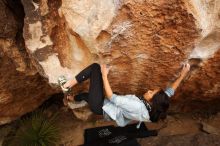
144	41
22	89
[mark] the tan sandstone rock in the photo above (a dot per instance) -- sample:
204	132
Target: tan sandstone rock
144	41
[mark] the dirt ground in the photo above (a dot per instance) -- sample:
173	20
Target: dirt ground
176	130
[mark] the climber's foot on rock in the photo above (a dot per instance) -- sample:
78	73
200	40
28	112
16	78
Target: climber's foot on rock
62	81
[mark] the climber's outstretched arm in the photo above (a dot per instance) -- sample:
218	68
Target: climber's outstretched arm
184	71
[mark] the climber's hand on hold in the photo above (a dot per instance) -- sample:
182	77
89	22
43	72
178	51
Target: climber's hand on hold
65	101
105	69
67	98
185	70
70	97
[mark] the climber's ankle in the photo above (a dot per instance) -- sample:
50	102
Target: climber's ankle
70	83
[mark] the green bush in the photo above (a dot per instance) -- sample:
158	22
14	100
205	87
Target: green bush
37	130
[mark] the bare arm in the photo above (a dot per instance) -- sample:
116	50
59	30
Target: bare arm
107	86
183	73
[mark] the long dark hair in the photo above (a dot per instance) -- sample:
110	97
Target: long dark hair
159	106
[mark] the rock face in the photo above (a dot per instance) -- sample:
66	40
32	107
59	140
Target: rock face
22	89
145	42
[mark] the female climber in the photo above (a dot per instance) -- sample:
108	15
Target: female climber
123	109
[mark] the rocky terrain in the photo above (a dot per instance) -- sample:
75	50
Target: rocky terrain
177	130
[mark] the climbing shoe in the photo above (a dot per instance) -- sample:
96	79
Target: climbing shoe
61	81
